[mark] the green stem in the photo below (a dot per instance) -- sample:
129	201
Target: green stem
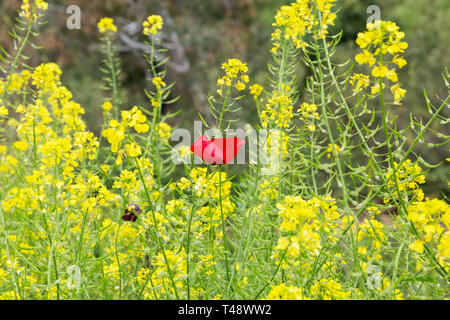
158	237
112	68
19	53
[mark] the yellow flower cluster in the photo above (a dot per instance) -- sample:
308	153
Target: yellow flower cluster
46	77
302	227
330	150
164	130
255	90
283	292
15	82
269	189
130	185
107	107
207	188
116	131
308	112
234	69
328	289
432	220
106	24
359	81
158	83
56	185
30	11
278	109
3	111
370	239
381	38
152	25
159	282
276	143
293	21
409	176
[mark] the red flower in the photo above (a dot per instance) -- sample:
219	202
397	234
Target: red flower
217	151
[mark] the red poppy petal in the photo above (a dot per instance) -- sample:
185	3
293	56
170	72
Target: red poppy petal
199	146
217	151
229	148
212	154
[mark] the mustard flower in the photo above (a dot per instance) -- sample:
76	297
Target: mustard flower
163	130
330	150
284	292
26	10
152	25
3	111
295	20
279	109
255	90
106	24
234	70
359	81
380	39
158	83
107	106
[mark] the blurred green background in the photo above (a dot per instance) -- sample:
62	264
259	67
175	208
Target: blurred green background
201	34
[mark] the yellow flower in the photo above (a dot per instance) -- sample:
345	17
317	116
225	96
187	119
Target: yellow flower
105	25
380	39
417	246
133	149
3	111
295	20
163	130
329	289
398	92
240	86
46	77
184	151
107	106
104	168
409	176
330	150
278	109
365	57
255	90
380	71
152	25
283	292
399	61
20	145
158	83
26	9
233	68
359	81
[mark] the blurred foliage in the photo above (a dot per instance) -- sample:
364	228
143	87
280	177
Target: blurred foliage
210	31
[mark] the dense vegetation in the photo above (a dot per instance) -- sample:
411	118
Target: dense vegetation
347	201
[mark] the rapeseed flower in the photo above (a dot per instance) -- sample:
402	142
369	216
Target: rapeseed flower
106	24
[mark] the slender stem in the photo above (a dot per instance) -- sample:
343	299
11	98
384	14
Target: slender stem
112	68
188	248
158	237
19	53
441	270
327	125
